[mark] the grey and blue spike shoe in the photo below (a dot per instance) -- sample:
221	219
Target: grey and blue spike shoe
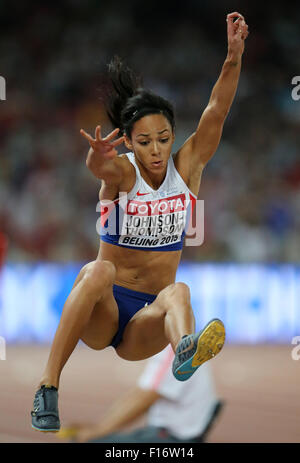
195	349
44	416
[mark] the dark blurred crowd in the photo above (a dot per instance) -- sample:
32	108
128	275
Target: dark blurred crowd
52	57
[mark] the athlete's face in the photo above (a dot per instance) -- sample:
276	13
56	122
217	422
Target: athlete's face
151	141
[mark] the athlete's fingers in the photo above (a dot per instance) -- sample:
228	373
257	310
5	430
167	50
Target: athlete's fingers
243	29
238	27
238	23
245	35
87	136
233	15
231	26
98	133
117	142
111	135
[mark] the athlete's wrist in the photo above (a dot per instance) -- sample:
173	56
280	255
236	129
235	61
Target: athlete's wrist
233	58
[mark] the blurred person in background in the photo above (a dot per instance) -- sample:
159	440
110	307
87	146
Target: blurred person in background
176	411
125	298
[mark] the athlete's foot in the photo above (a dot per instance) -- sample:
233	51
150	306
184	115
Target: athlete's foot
44	416
195	349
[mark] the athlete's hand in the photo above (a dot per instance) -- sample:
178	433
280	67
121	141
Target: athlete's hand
105	147
237	32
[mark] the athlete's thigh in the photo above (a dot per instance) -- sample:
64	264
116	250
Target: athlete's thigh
104	320
103	323
144	335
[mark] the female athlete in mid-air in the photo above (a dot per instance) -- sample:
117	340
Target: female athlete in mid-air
127	298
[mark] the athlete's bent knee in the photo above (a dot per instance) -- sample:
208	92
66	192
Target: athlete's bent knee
100	275
176	291
182	290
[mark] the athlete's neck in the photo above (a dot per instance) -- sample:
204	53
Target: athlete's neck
153	179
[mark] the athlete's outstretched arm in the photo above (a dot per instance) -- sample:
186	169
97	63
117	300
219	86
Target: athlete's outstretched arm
202	145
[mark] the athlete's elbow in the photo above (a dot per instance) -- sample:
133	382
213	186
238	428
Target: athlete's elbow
218	112
90	165
89	158
93	166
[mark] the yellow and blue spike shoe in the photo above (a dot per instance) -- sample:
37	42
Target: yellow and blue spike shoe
44	416
195	349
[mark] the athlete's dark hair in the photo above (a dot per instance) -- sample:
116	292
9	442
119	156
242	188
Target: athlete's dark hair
126	101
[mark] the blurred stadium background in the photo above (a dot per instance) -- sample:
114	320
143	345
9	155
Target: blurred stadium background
247	270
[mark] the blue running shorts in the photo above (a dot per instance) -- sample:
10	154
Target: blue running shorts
129	302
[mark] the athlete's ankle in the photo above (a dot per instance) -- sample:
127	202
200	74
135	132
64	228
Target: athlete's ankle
48	382
182	337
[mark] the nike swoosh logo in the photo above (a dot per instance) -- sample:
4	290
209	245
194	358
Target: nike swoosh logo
141	194
184	372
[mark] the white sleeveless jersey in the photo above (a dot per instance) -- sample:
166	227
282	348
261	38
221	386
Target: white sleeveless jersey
147	219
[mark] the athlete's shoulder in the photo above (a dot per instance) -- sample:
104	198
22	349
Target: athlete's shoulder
124	163
123	158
